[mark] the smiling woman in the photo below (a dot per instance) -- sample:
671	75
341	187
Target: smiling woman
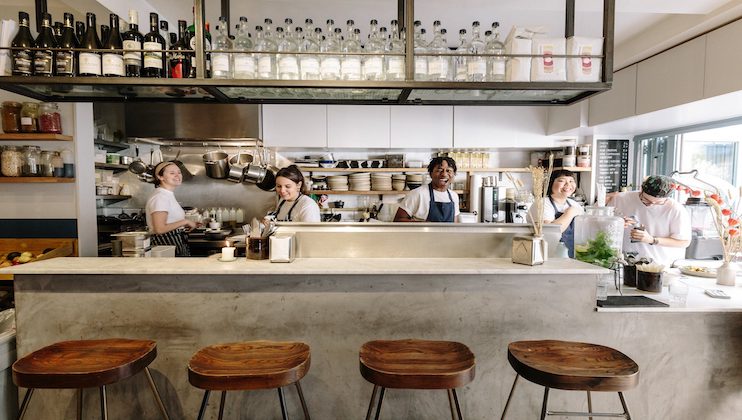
436	203
294	205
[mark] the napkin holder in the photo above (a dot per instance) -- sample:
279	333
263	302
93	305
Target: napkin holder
282	248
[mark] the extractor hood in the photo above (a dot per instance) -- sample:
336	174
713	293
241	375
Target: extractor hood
192	123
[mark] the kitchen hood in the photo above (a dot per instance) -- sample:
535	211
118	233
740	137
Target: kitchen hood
192	122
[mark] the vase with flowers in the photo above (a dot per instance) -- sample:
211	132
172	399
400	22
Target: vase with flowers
727	222
533	250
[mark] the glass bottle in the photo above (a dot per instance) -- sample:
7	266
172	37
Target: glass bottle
90	61
373	65
309	64
309	29
476	65
395	69
350	66
45	164
266	62
288	64
12	161
421	62
598	236
438	66
330	64
23	58
154	44
44	60
66	61
31	161
132	40
58	165
244	63
221	62
50	120
113	62
57	31
11	113
30	117
105	30
460	67
191	31
180	58
496	64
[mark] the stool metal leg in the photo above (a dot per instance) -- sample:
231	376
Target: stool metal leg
158	399
284	412
378	406
79	404
24	404
625	407
456	400
221	405
589	404
303	402
546	400
371	403
204	402
103	403
507	404
450	404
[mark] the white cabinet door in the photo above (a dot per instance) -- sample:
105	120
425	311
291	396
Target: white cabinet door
295	125
499	126
422	127
723	60
672	78
358	127
617	103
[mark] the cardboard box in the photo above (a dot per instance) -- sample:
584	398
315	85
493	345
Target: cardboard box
585	69
547	68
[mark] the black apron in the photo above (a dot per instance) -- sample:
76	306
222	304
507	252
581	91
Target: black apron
177	237
568	236
440	212
288	216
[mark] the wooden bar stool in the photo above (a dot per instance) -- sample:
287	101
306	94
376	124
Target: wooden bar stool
573	366
85	364
249	366
416	364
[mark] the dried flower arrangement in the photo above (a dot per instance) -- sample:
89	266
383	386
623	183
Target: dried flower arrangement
540	183
726	220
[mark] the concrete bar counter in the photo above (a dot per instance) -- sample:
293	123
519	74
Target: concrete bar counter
690	364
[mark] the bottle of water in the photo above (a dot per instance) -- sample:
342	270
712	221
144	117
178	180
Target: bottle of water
330	64
244	63
395	69
373	65
350	66
288	64
266	62
221	62
439	68
309	63
421	63
476	65
460	67
496	64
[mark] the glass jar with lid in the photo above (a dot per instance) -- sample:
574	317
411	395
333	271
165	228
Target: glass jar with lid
58	165
45	163
598	236
50	120
32	161
11	116
11	160
30	117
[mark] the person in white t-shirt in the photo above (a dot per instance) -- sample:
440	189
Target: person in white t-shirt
165	217
293	203
659	226
434	202
560	208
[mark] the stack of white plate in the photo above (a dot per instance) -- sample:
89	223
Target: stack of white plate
381	181
360	181
414	180
398	182
337	182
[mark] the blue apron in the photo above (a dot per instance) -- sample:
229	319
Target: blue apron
568	236
440	212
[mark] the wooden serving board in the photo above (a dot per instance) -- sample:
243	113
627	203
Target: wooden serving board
62	248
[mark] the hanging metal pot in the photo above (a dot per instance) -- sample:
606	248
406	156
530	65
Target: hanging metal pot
237	165
217	165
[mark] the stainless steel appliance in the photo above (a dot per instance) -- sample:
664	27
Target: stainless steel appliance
492	201
705	243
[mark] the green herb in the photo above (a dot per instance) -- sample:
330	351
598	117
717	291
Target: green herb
597	251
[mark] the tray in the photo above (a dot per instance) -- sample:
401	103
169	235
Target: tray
709	272
631	302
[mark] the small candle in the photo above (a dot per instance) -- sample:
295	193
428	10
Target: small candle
228	253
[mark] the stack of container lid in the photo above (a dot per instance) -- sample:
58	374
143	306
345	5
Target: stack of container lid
135	244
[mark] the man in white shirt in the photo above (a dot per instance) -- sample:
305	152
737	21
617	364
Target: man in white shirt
434	202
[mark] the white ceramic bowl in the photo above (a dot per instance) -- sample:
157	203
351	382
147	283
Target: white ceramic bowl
328	163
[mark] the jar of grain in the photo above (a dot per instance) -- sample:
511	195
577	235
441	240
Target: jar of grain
30	117
32	161
11	114
45	164
50	121
11	160
58	165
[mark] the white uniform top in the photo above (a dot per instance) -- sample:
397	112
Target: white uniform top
417	202
163	200
306	210
549	213
669	220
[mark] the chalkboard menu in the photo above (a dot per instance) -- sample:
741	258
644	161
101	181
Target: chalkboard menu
612	162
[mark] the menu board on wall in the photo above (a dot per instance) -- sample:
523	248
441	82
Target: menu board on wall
612	162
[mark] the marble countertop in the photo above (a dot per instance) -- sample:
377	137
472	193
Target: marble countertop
341	266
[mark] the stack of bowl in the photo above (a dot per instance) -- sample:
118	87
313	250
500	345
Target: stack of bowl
360	181
398	182
381	182
414	180
337	182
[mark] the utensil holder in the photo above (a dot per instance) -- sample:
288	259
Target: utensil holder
257	249
649	282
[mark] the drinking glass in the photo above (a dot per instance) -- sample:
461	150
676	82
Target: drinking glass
678	293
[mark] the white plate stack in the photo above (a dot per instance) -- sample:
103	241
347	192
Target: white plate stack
398	182
337	183
381	181
360	181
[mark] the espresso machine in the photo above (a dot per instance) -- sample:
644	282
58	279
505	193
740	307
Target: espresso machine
493	201
705	243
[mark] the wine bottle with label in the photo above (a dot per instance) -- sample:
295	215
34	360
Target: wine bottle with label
132	40
23	58
154	44
43	59
80	31
113	62
66	64
180	58
90	61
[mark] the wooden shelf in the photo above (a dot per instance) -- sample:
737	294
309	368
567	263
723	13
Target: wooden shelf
35	180
111	166
111	146
371	192
425	170
112	197
34	137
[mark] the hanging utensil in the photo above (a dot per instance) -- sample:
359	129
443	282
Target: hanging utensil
138	166
187	175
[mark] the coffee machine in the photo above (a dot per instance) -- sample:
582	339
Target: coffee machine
519	205
705	243
492	201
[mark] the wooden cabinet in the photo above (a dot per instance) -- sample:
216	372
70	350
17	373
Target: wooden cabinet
358	127
294	126
617	103
422	127
723	60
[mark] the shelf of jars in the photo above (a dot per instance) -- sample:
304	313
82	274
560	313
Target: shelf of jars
34	137
35	180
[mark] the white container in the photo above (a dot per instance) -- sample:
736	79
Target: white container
132	241
547	68
585	69
282	248
468	217
518	69
163	251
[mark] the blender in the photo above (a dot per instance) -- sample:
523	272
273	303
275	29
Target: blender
705	243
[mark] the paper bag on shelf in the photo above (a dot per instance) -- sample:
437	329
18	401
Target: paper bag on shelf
584	69
546	67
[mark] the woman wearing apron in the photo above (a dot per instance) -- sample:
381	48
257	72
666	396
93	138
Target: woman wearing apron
293	203
434	202
561	209
165	217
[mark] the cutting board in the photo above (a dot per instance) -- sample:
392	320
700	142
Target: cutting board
631	302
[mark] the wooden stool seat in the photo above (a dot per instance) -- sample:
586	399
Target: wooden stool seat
83	363
417	364
573	366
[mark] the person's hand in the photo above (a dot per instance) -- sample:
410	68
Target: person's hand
628	221
572	211
641	236
190	225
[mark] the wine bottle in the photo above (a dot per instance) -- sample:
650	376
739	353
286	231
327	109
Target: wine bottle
191	37
180	59
133	41
43	60
57	29
80	30
23	58
66	57
105	30
113	62
90	61
154	44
